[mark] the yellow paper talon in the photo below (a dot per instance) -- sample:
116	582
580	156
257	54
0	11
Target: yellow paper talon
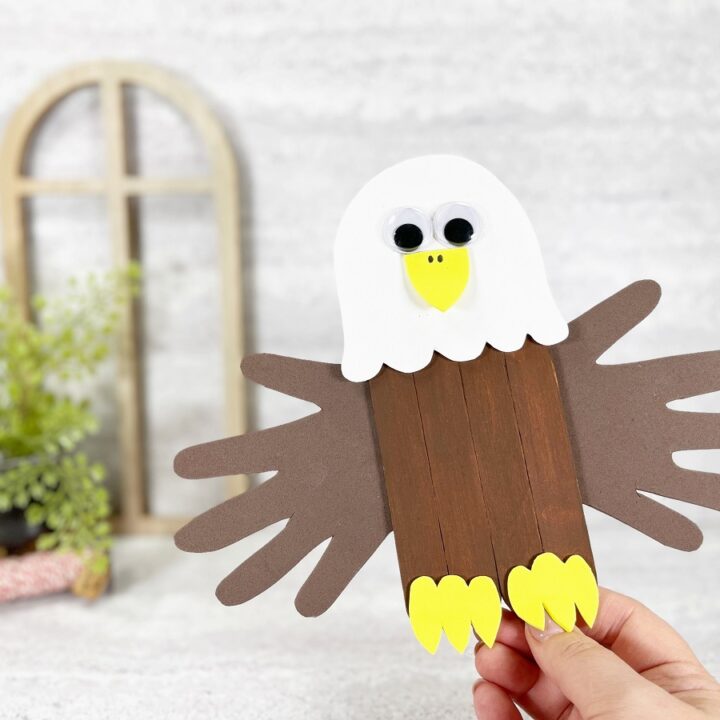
485	609
455	608
525	598
555	587
587	597
424	611
453	605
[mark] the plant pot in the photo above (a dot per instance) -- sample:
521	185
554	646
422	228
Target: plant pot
15	532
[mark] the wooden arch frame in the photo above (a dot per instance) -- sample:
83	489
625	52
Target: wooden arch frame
119	187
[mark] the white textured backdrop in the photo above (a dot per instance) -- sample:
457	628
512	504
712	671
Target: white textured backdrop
604	118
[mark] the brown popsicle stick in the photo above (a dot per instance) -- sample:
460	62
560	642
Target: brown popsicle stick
411	496
459	496
548	453
501	462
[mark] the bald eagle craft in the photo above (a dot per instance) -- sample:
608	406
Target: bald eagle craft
467	417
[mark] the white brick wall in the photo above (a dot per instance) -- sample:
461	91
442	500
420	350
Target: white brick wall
604	118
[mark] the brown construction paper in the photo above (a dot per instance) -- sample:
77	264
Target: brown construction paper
328	483
622	431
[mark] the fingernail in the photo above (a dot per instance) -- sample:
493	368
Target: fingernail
551	628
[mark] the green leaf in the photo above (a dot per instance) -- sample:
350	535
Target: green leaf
47	541
21	499
50	479
100	563
35	514
97	472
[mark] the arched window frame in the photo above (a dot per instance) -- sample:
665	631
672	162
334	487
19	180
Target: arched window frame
118	187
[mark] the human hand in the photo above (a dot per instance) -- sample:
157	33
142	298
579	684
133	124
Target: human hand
631	665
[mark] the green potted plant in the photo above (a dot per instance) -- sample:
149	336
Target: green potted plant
45	415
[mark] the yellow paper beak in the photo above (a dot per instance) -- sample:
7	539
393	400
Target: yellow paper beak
439	277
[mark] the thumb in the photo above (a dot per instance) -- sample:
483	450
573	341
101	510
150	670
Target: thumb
595	680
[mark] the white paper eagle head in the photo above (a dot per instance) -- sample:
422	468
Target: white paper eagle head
436	254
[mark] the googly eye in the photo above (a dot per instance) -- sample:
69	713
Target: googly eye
406	229
457	224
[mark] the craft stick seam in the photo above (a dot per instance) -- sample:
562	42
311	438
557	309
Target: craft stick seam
524	455
477	468
430	472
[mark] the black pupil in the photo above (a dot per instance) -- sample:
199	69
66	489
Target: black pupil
458	231
408	236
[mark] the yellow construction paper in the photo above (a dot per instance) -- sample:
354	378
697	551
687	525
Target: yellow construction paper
439	276
555	587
